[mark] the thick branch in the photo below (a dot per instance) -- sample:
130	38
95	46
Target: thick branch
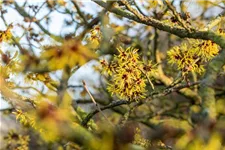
206	89
17	101
113	104
181	32
124	102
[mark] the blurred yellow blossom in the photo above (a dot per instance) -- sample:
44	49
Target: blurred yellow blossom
70	54
6	35
153	3
16	141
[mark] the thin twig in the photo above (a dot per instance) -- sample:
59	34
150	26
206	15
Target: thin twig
111	105
138	8
81	14
23	13
74	86
177	16
150	82
125	102
93	100
126	116
181	32
132	10
22	50
28	88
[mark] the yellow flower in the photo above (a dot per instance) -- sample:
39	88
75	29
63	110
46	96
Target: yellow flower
109	68
191	56
45	78
95	37
221	31
6	35
149	69
153	3
206	49
128	54
175	55
61	2
13	140
128	74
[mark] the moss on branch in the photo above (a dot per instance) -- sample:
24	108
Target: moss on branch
178	31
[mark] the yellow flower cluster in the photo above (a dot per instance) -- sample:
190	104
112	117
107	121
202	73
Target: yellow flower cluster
25	118
47	119
6	35
95	37
45	78
191	56
17	141
205	49
128	74
71	53
11	66
139	140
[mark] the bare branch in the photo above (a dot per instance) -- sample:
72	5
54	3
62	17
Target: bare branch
111	105
80	12
125	102
181	32
23	13
180	20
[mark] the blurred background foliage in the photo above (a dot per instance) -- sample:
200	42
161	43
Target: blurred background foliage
92	75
